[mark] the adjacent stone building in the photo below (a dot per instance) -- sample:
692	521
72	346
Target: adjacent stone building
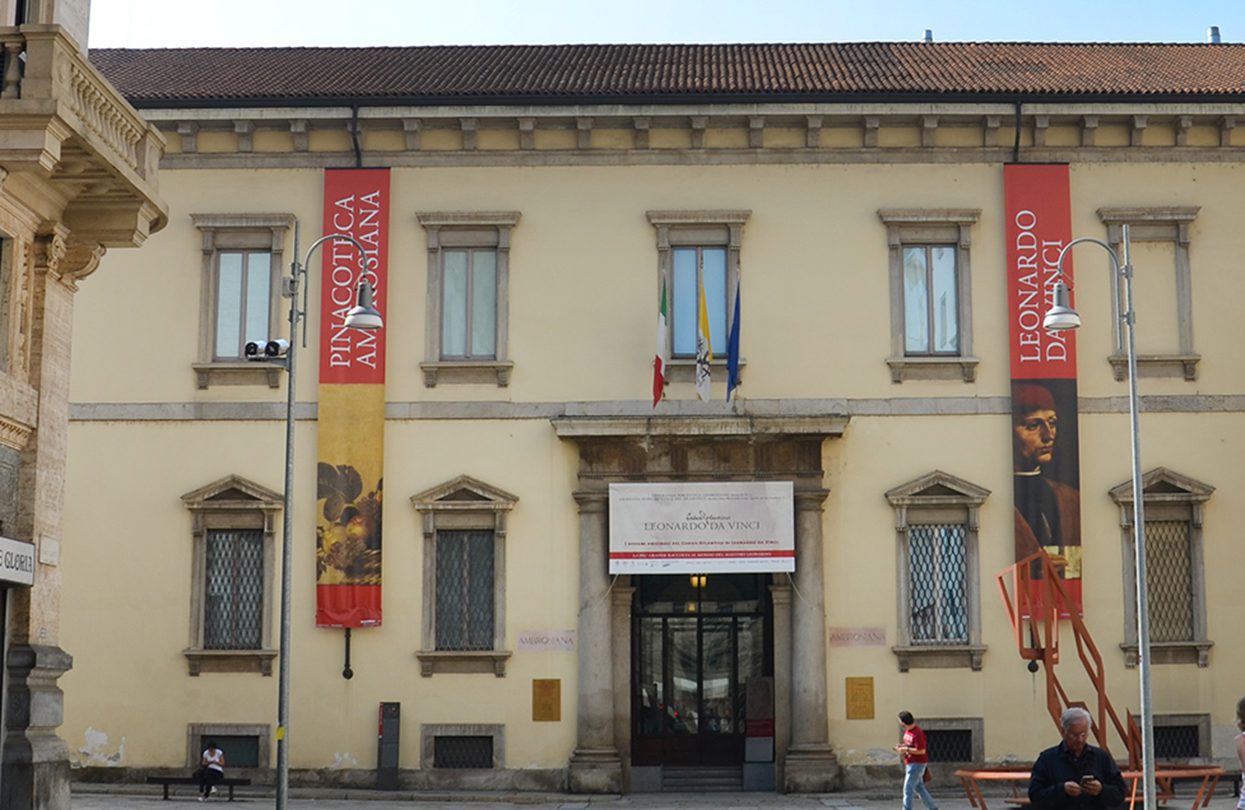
77	176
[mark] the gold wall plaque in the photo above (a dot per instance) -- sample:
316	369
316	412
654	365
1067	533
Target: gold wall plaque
859	698
546	699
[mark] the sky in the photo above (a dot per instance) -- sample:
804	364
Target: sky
354	23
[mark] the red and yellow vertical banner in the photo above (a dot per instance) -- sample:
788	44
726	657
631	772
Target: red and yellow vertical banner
1045	457
350	473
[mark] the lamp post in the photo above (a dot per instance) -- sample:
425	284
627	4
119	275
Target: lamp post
1062	316
362	316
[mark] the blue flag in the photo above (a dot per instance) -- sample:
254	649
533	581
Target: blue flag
732	350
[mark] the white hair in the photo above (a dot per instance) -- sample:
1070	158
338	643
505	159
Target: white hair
1071	715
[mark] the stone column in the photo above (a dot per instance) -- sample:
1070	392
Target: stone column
810	765
780	594
595	765
35	760
622	596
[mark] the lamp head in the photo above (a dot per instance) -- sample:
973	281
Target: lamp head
364	315
1061	315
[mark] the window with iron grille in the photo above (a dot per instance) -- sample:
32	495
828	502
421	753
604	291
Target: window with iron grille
231	577
1175	572
462	751
937	567
464	590
1176	742
462	628
245	745
1170	585
949	745
241	750
233	614
937	572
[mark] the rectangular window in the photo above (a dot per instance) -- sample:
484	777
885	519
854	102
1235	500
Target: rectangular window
464	610
937	559
711	264
469	305
928	262
931	313
1169	580
234	570
1176	742
243	300
241	750
462	752
949	745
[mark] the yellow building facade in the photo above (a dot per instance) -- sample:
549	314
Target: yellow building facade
531	231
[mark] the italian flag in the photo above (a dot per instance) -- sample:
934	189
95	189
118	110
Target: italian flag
662	359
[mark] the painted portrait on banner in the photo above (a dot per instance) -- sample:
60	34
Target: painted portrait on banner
1046	485
1045	459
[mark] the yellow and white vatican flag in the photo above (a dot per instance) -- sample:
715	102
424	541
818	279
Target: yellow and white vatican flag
704	346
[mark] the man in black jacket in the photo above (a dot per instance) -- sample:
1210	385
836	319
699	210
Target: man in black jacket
1075	775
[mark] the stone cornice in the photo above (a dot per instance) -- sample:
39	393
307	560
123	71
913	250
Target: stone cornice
704	427
712	133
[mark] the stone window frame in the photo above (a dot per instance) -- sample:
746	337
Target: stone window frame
230	503
428	732
1168	496
237	232
197	731
467	229
463	503
930	226
698	228
938	497
976	726
1204	743
1155	224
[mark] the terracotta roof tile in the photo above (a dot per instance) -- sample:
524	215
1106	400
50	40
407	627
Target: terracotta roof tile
542	74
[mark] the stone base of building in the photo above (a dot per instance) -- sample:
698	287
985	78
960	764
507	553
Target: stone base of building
595	770
527	780
810	769
35	760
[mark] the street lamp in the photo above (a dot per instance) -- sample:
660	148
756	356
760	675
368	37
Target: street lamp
1062	316
362	316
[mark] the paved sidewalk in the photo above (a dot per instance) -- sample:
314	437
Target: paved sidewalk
122	797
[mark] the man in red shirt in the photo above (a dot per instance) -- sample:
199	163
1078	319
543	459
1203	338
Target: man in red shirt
915	759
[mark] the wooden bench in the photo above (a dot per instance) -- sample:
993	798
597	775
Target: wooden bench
1166	777
230	782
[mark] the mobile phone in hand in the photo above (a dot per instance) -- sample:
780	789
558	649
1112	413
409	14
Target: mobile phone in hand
1087	778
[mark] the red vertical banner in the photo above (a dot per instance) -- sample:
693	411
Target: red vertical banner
1045	454
351	422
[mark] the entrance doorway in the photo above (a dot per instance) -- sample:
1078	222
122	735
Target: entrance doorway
696	643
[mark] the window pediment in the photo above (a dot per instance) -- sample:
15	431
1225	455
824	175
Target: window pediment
464	492
1162	484
937	488
233	491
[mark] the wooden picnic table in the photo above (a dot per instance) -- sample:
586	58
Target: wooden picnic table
1166	778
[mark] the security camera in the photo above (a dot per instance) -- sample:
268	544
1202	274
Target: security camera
274	349
254	350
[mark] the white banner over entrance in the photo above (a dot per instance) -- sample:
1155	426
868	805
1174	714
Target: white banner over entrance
702	528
